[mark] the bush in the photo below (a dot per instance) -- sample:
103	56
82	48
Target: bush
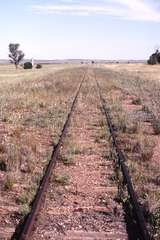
28	65
39	66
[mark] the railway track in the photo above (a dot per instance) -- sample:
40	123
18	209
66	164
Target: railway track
85	209
140	221
25	232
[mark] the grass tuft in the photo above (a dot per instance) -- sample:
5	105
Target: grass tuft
23	198
67	160
8	183
24	210
62	179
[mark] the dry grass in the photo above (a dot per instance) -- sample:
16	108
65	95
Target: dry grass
141	80
62	179
33	107
140	84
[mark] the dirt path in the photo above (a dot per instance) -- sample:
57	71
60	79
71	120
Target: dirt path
80	202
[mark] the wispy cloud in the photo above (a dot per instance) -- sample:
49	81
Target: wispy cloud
140	10
137	10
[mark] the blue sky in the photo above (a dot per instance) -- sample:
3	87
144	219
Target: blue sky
103	29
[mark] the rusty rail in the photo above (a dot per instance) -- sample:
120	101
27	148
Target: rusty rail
127	179
30	221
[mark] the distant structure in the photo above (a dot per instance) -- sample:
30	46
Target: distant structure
32	61
154	58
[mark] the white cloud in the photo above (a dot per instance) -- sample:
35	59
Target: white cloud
95	9
126	9
140	10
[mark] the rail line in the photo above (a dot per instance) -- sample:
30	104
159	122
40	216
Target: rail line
144	234
27	227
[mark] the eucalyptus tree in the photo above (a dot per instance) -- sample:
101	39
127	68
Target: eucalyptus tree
15	55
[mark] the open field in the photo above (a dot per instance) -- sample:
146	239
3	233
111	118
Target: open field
140	79
143	71
87	197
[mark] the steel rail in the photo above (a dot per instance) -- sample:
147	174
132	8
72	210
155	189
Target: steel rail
29	224
121	162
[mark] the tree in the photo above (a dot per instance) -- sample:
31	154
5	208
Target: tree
155	57
16	55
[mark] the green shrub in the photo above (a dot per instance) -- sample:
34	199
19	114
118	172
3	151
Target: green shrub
38	66
28	65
